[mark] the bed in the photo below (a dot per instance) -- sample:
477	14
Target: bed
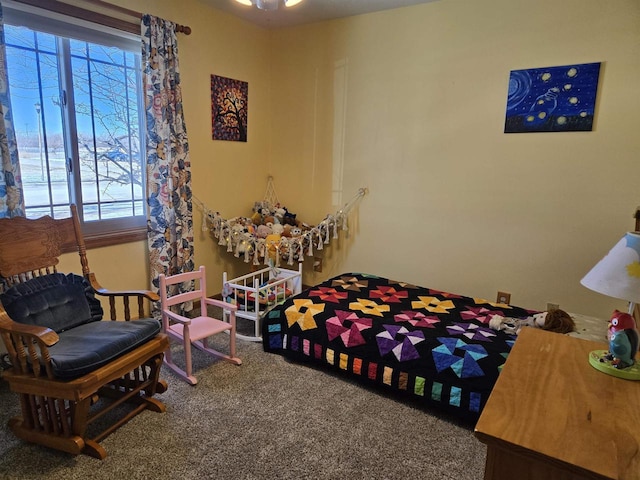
428	345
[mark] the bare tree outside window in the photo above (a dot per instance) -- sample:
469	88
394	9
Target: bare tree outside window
76	111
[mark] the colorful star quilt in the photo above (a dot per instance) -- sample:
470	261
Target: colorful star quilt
416	342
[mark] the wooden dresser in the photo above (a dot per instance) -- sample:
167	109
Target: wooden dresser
553	416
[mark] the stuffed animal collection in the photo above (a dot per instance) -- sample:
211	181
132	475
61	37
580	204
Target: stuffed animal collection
553	321
274	233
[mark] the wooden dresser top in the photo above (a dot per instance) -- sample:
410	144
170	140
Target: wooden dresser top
550	404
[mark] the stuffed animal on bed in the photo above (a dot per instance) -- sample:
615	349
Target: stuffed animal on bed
553	321
558	321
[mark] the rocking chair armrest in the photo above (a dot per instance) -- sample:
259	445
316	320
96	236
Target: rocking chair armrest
148	294
43	335
222	304
176	317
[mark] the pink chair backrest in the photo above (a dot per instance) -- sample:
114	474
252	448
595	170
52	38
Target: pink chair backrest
199	292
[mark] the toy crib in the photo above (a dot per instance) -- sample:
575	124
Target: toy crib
257	292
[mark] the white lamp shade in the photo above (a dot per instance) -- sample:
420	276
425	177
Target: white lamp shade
618	274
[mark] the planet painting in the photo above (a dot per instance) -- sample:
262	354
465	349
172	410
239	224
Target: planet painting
552	99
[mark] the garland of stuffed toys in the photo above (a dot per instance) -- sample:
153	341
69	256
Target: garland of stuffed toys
272	232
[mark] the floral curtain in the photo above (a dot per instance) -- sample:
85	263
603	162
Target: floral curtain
170	222
11	195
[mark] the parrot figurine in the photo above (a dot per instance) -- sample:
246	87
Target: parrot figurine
620	321
623	340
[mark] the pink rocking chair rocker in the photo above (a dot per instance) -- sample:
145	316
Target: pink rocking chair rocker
195	330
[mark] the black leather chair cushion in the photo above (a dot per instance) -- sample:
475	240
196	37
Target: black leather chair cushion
87	347
56	301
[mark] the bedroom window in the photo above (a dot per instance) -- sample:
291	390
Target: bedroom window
76	100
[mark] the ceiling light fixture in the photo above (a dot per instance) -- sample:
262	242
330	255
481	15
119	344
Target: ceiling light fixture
269	4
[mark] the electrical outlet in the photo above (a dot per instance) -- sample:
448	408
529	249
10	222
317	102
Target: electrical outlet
503	297
552	306
317	264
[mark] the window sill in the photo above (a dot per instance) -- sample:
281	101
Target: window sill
98	240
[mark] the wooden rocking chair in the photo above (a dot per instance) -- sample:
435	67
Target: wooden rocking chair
69	368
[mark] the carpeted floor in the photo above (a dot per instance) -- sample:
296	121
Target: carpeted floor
266	419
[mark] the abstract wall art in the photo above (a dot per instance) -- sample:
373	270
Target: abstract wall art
229	106
552	99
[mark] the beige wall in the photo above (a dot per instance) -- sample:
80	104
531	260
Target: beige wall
454	203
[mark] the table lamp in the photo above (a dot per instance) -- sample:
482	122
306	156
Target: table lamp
618	275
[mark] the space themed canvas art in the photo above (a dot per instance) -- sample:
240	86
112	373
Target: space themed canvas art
552	99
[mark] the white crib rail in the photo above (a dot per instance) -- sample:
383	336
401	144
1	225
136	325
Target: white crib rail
256	293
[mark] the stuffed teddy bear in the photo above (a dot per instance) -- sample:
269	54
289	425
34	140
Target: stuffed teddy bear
263	230
290	219
277	229
558	321
280	213
256	218
555	320
236	231
268	220
272	241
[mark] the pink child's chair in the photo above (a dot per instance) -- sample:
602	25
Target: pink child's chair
195	330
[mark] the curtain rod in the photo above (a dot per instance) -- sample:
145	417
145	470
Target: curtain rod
102	19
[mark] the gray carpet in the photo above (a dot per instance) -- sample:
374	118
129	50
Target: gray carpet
266	419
